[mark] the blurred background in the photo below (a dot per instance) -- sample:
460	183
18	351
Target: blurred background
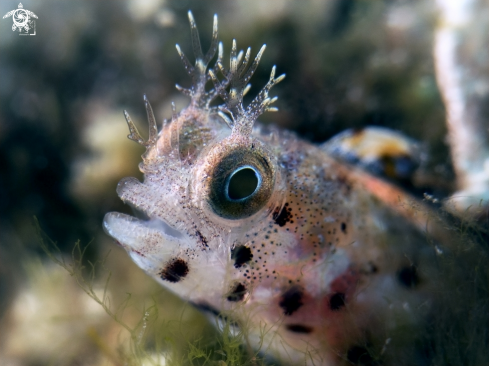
63	145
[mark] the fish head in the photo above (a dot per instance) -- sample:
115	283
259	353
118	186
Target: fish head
209	178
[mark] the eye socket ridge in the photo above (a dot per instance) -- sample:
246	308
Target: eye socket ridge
242	183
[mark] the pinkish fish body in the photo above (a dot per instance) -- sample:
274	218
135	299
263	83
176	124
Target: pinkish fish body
318	260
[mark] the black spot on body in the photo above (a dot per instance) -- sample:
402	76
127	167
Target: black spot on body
408	276
337	301
237	293
283	216
298	328
343	228
291	301
241	254
202	239
175	270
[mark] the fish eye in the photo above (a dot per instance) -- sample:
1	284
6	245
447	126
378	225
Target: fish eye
242	183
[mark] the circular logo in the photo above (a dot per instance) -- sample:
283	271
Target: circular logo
20	18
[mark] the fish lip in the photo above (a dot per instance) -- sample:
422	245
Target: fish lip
118	226
138	213
163	226
149	243
156	223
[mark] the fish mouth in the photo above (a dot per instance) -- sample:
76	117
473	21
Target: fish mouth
148	241
156	223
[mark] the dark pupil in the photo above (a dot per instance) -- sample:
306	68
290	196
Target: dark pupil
242	184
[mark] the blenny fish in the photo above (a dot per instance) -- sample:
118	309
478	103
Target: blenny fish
320	260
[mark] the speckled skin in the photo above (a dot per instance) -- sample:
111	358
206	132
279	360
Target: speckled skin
332	262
